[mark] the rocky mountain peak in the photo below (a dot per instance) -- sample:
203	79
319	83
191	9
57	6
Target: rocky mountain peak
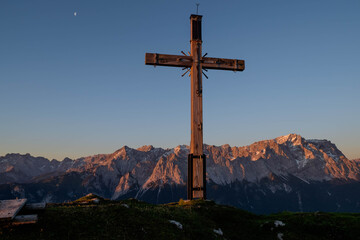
67	159
145	148
121	153
292	138
125	148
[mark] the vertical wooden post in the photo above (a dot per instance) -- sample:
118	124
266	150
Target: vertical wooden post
196	143
196	171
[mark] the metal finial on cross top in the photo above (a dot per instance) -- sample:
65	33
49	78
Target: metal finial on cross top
195	62
197	8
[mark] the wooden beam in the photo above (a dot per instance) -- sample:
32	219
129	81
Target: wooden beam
157	59
223	64
25	219
9	208
168	60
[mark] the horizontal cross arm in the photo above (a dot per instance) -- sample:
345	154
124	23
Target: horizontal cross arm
187	61
168	60
223	64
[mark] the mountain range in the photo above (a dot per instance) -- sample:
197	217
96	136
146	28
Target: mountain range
288	173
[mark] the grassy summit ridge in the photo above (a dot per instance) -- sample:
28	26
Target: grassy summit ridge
198	219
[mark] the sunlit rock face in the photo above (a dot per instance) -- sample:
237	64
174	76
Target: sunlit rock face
290	168
310	160
22	168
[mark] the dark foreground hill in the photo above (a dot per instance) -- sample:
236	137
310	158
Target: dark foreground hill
133	219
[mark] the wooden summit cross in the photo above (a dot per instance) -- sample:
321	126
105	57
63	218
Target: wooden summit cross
195	63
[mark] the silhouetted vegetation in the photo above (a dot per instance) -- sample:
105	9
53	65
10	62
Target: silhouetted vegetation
133	219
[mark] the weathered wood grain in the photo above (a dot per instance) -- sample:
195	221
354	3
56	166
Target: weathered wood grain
223	64
168	60
198	178
9	208
157	59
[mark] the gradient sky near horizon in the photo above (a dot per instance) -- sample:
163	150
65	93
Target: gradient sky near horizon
74	85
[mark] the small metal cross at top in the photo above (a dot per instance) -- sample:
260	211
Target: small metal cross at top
195	62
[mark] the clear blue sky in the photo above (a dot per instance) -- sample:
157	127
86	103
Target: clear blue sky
77	85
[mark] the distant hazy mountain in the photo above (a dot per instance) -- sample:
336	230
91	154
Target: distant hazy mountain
285	173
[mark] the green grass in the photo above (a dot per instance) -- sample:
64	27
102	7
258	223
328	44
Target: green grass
132	219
